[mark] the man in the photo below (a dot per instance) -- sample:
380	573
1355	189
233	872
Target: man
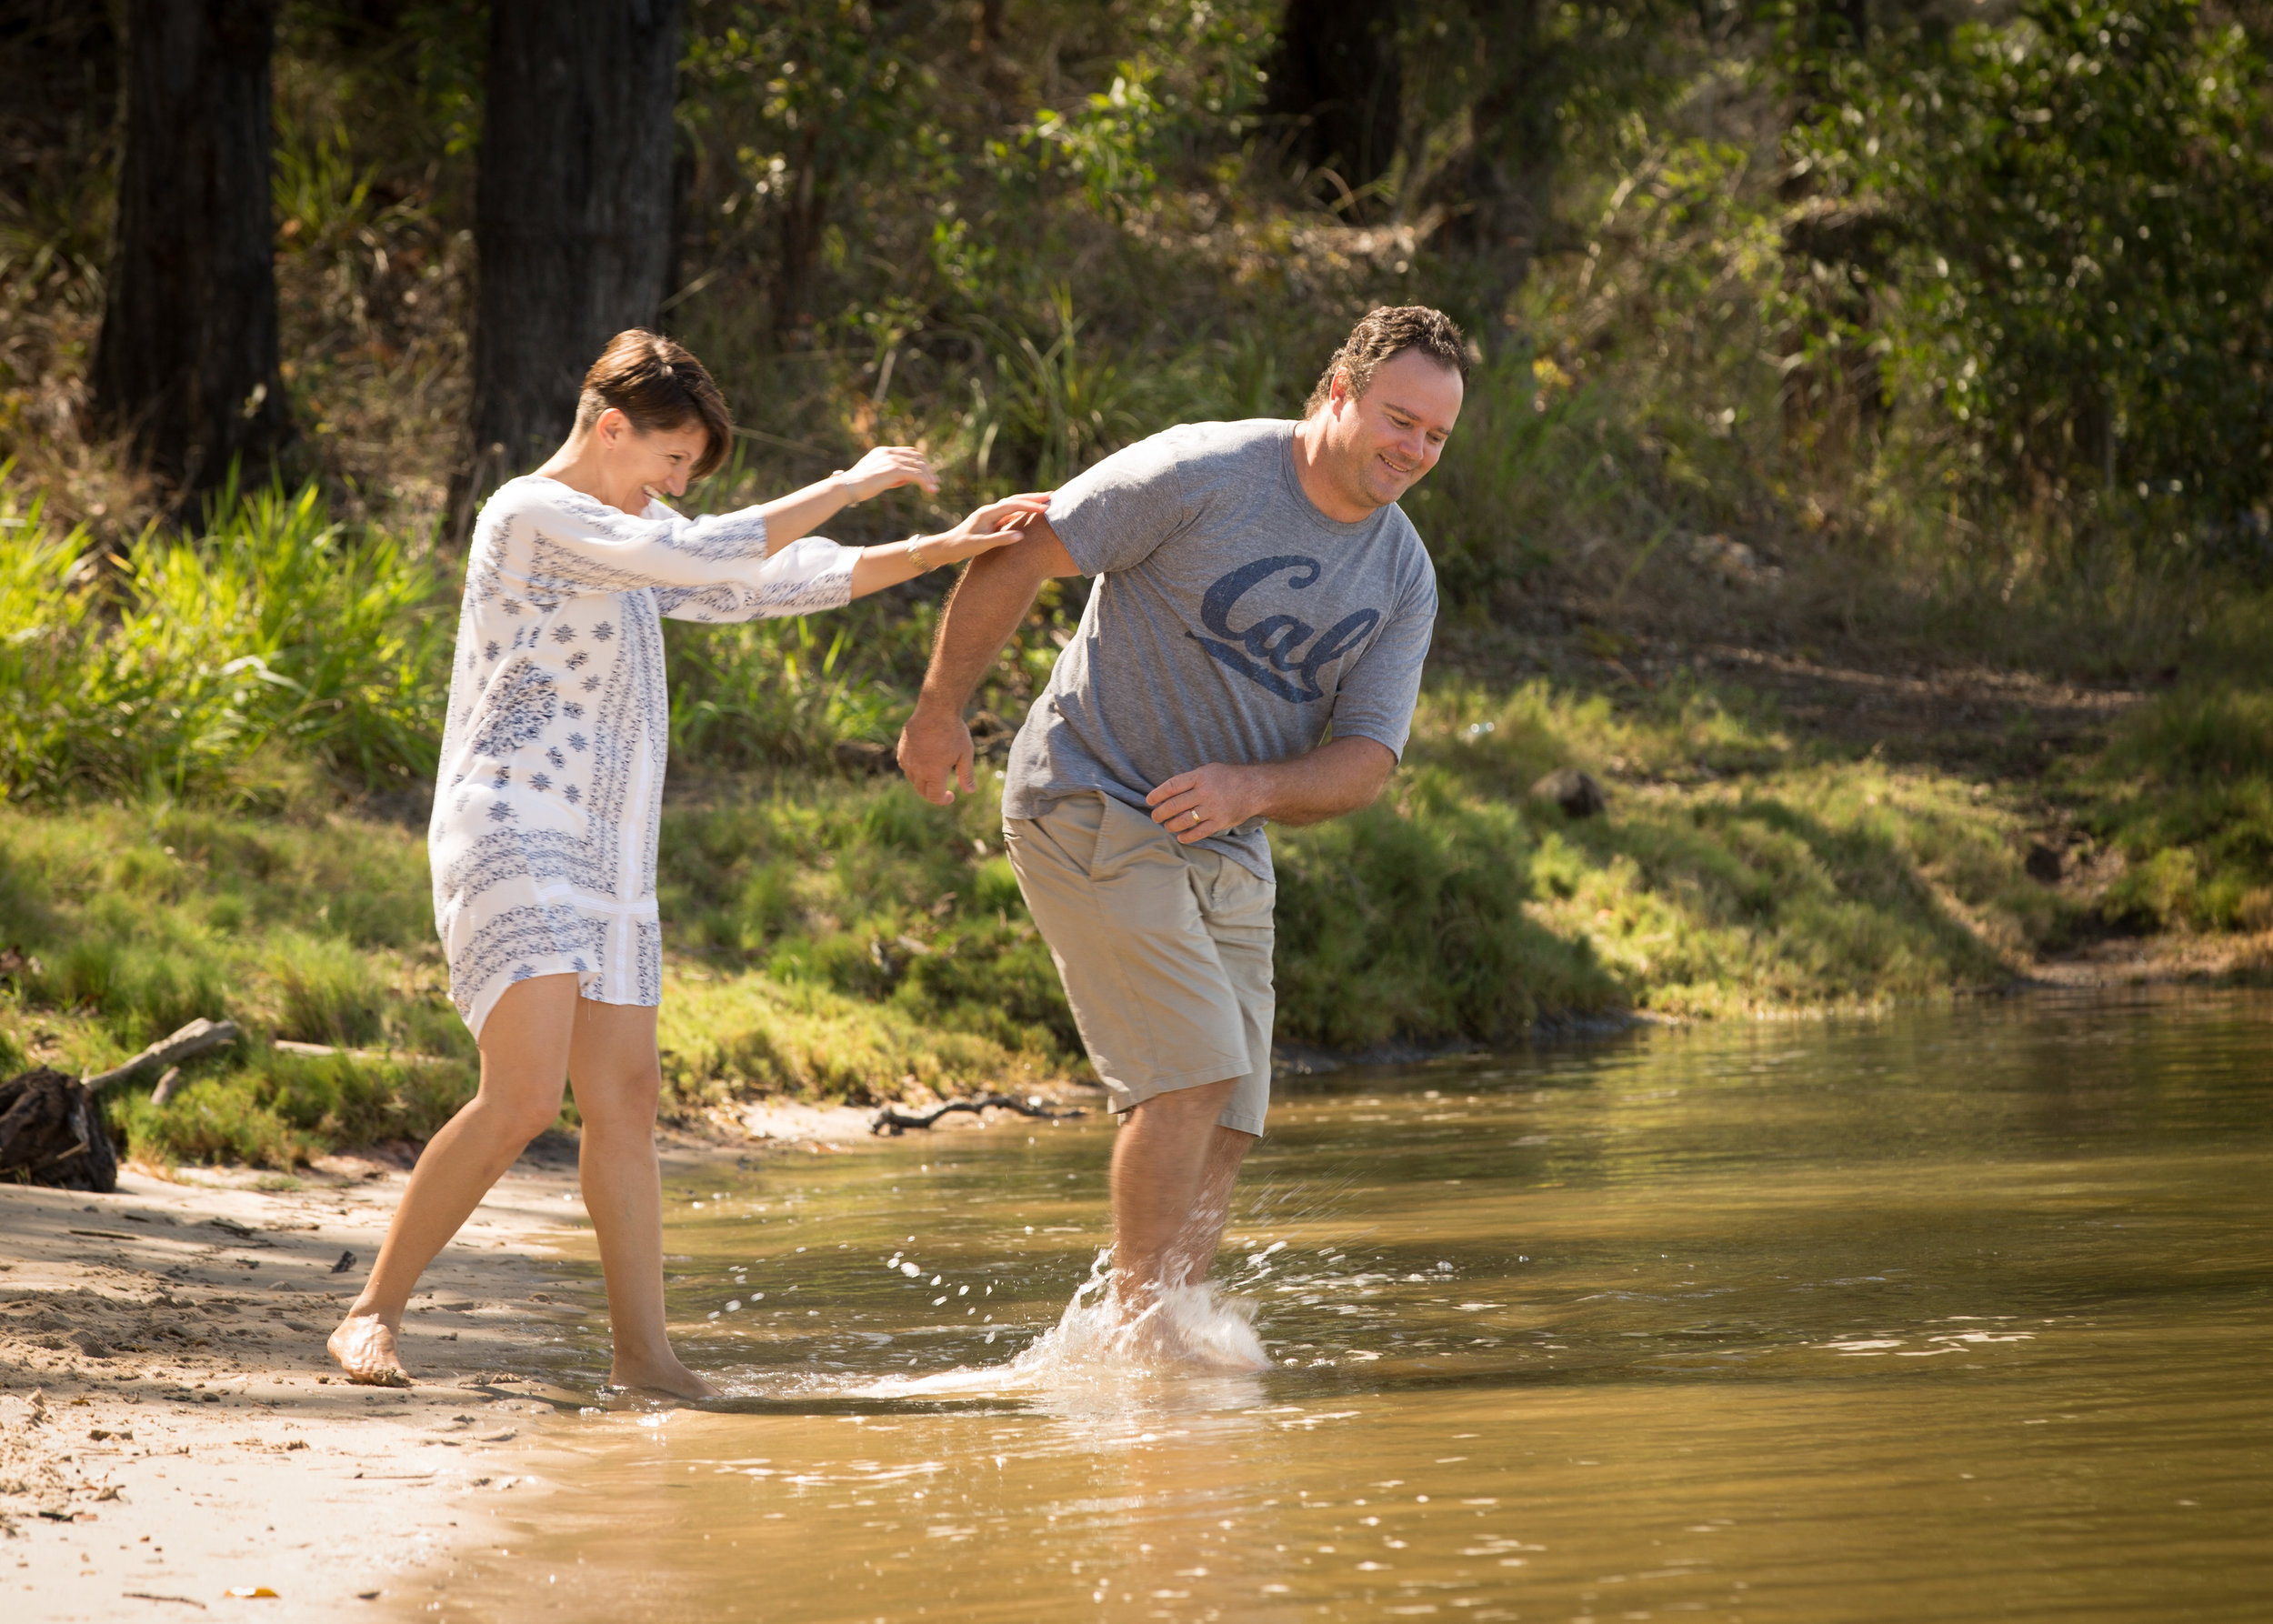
1257	590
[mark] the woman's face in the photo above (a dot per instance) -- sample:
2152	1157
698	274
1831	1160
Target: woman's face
657	462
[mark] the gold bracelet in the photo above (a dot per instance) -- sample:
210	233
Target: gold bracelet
916	554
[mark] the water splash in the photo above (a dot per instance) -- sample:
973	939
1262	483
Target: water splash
1189	1330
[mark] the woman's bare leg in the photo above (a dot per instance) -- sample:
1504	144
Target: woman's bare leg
617	1076
524	1048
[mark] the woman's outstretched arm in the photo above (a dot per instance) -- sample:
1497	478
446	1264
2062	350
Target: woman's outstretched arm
992	525
887	468
814	574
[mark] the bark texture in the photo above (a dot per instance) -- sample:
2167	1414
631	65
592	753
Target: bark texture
187	360
573	215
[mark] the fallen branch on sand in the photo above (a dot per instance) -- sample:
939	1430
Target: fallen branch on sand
891	1119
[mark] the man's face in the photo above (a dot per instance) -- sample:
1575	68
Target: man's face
1380	442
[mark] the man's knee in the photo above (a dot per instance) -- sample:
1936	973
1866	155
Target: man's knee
1200	1099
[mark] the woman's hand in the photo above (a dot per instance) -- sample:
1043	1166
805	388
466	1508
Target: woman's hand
888	467
998	524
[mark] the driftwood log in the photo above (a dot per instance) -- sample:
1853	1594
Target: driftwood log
51	1133
892	1120
200	1036
51	1123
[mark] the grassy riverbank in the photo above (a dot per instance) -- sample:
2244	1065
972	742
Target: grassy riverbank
832	937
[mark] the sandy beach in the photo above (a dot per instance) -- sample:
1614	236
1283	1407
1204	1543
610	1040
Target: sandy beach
175	1441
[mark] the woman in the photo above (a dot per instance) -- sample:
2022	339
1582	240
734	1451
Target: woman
545	812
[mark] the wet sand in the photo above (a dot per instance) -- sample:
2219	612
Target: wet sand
171	1429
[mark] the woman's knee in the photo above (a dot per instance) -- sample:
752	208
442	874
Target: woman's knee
625	1102
518	1116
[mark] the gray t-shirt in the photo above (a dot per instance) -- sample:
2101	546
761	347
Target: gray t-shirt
1232	621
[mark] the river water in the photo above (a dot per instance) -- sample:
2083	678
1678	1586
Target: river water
1957	1314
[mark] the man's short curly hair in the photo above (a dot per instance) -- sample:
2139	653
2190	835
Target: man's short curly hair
1389	330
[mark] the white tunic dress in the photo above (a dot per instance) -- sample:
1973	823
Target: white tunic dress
550	792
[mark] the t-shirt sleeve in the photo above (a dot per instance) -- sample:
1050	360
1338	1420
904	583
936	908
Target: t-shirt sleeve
1375	698
1112	516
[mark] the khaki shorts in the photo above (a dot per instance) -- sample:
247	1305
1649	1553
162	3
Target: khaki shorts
1165	951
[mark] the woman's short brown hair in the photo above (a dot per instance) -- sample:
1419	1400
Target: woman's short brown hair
1389	330
658	383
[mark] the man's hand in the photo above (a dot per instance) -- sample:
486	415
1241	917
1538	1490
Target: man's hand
1338	777
935	754
1208	800
983	612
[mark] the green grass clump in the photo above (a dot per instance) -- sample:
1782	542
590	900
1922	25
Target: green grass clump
733	1037
133	921
1732	872
2185	793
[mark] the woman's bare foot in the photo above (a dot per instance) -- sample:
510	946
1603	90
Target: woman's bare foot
661	1376
363	1346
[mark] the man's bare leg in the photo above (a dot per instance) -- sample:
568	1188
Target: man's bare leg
617	1077
524	1061
1194	1256
1162	1160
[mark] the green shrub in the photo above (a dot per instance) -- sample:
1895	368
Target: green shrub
271	630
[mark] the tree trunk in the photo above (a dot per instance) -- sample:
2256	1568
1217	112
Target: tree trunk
1335	74
187	360
803	219
573	214
1499	187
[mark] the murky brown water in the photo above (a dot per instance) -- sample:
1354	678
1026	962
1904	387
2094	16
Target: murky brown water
1955	1315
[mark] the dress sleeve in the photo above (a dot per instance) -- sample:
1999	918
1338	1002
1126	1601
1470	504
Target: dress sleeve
804	577
563	543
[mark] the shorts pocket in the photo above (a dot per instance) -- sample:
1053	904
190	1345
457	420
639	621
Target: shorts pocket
1138	874
1239	900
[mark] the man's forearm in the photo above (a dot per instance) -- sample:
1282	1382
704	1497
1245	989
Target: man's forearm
982	613
1336	777
1340	775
